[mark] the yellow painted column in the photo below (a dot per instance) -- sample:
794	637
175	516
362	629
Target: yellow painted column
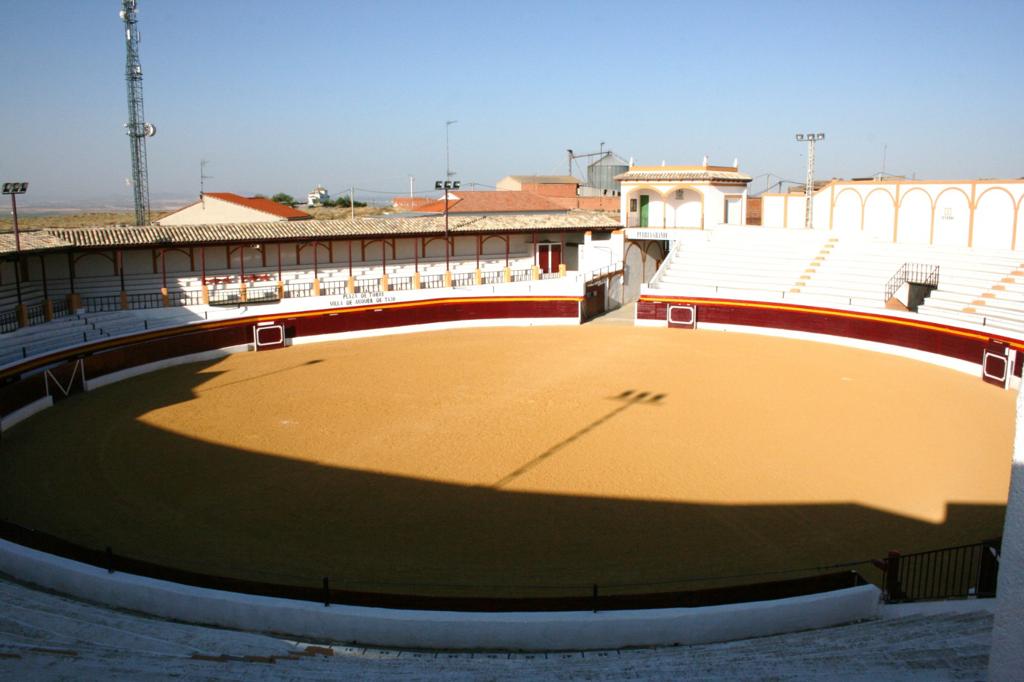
507	274
165	297
535	272
22	312
74	302
47	310
561	269
415	280
124	300
448	278
351	286
243	295
383	282
478	277
316	286
205	295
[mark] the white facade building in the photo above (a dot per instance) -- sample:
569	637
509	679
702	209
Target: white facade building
683	196
984	214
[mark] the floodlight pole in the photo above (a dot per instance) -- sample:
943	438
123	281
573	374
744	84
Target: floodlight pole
14	189
810	138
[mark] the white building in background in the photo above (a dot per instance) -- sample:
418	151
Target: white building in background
702	196
984	214
317	197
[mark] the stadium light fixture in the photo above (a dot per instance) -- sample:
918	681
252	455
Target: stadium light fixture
810	138
14	189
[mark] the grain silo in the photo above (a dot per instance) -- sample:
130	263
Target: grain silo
601	174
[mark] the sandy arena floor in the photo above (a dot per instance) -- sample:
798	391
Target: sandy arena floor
520	461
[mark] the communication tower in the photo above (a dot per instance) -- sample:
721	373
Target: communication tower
138	129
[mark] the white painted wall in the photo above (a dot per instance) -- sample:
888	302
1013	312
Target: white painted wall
440	629
980	214
1006	660
212	211
667	210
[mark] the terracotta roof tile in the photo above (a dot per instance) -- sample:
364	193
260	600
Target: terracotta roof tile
261	204
499	201
180	235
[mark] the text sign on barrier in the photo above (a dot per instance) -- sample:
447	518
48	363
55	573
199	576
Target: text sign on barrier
682	316
268	336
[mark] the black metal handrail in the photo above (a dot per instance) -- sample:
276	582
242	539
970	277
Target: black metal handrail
370	285
335	287
8	321
463	279
493	277
298	289
145	300
36	313
946	573
400	283
60	307
523	275
913	273
101	304
432	282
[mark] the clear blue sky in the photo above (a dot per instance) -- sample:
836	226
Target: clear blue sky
281	96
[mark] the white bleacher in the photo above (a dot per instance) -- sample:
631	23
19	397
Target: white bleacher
976	287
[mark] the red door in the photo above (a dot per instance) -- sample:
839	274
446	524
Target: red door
550	257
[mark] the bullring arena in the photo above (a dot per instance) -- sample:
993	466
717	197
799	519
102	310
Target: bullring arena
554	459
493	448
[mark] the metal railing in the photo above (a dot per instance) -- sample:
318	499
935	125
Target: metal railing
299	289
463	279
370	285
947	573
60	307
400	283
432	282
101	304
8	321
334	287
492	277
524	275
187	297
913	273
604	271
36	313
262	294
146	300
550	275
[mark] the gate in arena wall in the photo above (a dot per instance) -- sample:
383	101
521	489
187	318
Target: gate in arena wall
594	303
63	381
268	336
997	363
682	316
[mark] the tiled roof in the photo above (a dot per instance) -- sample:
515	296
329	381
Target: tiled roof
499	201
683	174
262	205
546	179
368	227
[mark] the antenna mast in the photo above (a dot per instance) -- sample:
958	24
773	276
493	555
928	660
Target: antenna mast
138	129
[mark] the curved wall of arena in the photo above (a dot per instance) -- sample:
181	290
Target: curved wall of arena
680	618
957	347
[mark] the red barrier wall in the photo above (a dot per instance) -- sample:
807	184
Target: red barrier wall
23	384
962	344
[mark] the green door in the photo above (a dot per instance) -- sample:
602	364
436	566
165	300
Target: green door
644	201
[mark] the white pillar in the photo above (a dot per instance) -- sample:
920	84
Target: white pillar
1007	657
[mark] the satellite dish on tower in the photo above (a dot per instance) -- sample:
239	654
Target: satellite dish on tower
149	129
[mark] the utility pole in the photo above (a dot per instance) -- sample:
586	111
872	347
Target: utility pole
352	202
570	161
810	138
138	129
411	181
447	154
